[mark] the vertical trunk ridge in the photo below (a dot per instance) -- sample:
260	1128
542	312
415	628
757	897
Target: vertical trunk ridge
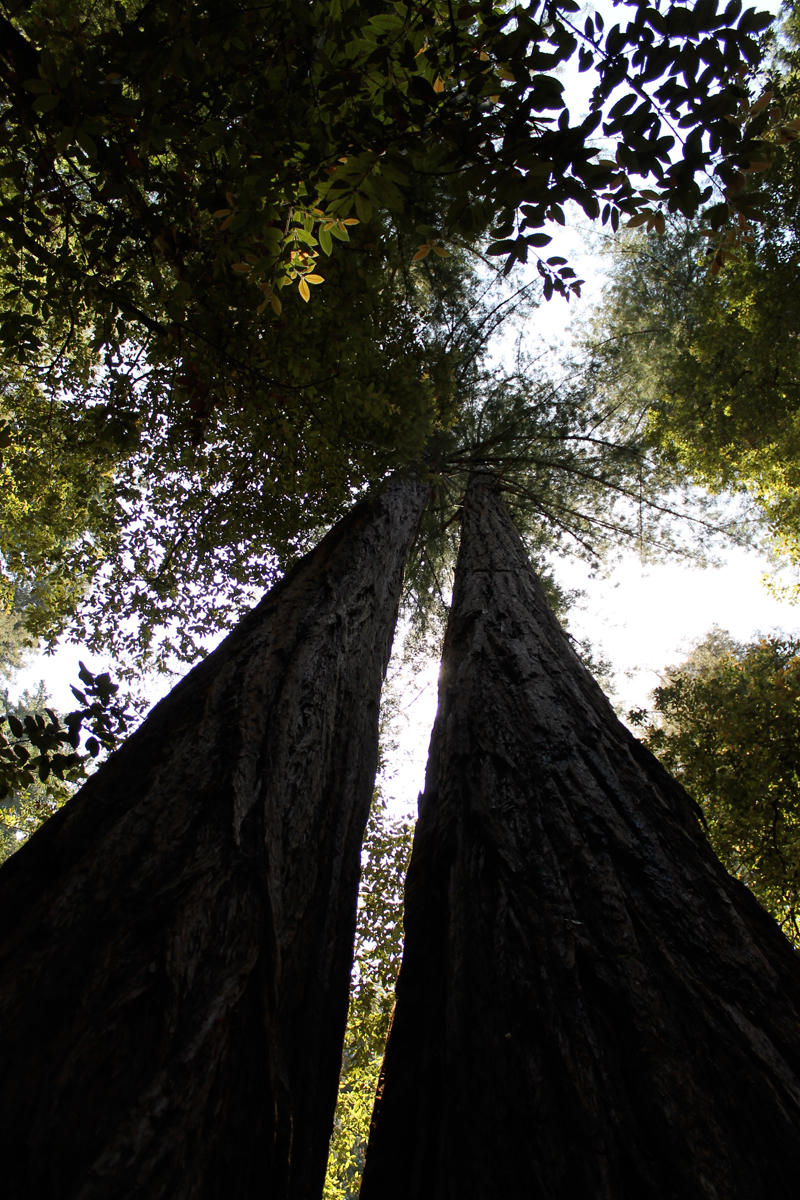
589	1006
176	942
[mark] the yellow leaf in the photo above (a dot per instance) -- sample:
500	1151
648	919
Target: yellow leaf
241	267
303	289
262	305
440	250
228	221
438	84
350	221
314	279
494	99
484	56
276	304
222	212
762	103
421	253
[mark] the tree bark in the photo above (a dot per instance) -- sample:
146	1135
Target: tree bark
176	942
589	1006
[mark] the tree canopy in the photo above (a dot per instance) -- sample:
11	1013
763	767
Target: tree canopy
710	359
153	151
724	722
171	179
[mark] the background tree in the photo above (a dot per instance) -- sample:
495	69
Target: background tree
710	366
724	722
710	360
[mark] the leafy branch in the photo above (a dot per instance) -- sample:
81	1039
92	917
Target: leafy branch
44	747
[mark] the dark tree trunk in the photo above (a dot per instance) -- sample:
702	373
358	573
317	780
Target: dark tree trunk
176	942
589	1005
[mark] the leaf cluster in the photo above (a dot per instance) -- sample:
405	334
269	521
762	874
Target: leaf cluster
42	744
28	808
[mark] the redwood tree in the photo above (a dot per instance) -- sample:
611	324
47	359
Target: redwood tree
176	942
589	1005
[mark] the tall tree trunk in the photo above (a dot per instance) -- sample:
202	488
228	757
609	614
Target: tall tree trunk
589	1006
176	942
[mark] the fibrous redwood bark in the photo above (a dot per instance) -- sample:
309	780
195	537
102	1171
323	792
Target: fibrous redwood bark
589	1006
176	943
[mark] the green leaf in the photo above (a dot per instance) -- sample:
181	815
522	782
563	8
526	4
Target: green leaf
363	207
45	104
86	143
508	245
307	238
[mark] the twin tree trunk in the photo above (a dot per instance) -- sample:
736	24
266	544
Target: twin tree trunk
176	943
589	1006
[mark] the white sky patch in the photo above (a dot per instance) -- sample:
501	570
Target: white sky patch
647	617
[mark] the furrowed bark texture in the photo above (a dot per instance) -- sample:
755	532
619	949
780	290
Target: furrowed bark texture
176	942
589	1006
